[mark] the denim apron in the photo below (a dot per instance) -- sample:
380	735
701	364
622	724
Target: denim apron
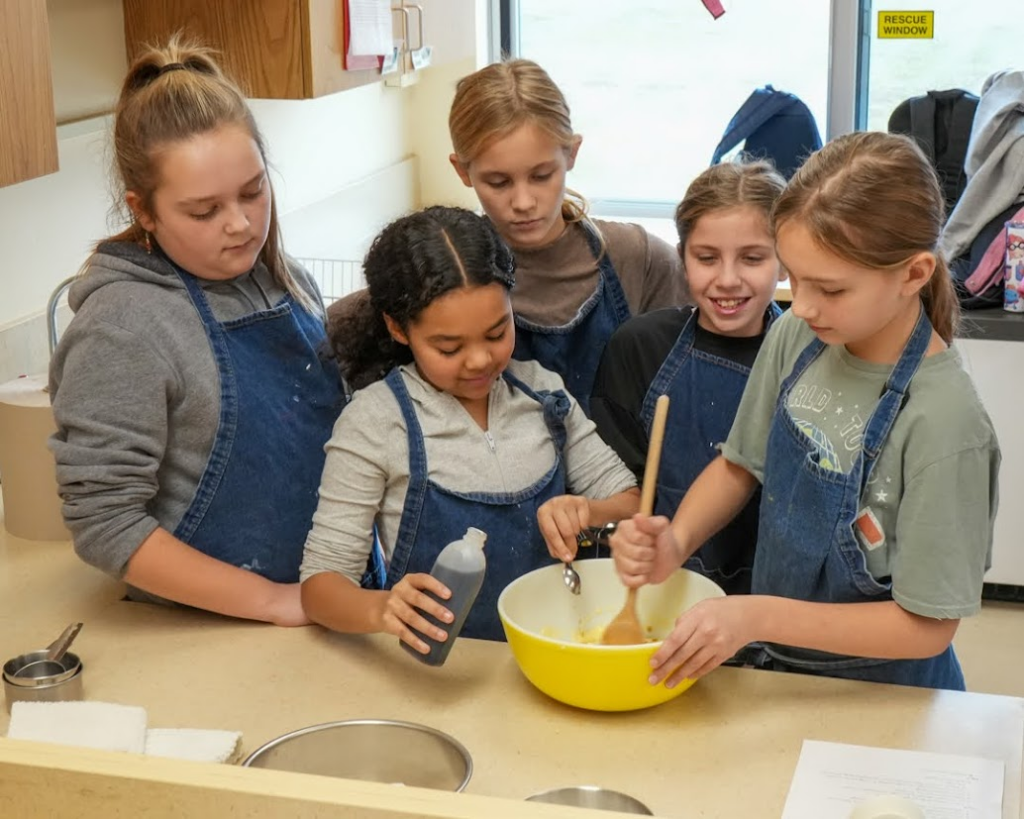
574	350
434	516
280	395
704	392
808	549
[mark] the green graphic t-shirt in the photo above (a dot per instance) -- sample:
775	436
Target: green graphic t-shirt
927	513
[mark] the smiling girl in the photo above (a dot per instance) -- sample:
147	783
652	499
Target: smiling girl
447	432
578	278
700	356
191	393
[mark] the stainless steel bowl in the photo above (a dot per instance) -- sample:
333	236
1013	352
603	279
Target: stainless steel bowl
371	749
589	796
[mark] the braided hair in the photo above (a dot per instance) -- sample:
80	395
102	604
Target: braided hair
412	262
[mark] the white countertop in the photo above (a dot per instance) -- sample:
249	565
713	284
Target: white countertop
725	748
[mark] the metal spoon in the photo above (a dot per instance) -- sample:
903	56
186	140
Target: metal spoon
51	666
588	537
571	578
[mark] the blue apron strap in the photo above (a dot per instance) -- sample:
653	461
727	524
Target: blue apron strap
417	479
227	423
810	352
556	406
610	282
195	294
895	393
593	239
912	355
670	367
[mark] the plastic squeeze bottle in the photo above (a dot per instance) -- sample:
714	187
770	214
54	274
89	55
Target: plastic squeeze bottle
460	566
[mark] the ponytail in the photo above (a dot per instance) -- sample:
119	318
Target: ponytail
940	302
365	349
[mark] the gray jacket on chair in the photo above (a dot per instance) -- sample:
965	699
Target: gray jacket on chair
994	163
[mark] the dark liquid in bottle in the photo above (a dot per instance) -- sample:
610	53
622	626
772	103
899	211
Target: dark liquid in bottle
464	587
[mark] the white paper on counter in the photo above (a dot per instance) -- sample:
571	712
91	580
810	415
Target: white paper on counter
369	27
831	778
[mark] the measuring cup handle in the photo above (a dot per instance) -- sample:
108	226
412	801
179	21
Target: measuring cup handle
58	647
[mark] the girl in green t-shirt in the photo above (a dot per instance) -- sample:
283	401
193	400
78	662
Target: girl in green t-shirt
904	470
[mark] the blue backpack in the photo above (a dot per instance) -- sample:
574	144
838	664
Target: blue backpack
774	125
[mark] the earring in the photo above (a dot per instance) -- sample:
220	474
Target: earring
146	243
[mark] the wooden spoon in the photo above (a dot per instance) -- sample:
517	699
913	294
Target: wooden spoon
625	629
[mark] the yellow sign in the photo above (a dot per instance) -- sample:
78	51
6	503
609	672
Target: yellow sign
906	25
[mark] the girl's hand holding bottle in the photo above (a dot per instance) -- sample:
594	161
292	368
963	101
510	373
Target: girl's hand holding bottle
401	611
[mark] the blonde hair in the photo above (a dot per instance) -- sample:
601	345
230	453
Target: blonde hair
749	183
873	199
496	100
172	94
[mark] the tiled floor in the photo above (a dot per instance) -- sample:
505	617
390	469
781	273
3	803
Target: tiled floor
991	649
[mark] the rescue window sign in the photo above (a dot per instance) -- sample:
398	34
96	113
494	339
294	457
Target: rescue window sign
906	25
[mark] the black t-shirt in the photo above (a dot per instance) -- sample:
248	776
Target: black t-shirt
631	360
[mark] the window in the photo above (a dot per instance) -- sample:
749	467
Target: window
653	83
971	41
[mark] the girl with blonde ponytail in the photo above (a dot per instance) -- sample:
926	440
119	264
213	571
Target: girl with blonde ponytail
192	392
578	278
878	463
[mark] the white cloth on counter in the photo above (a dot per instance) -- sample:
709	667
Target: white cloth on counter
111	727
197	744
101	725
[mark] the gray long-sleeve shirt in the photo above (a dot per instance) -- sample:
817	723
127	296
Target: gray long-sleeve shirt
136	396
366	475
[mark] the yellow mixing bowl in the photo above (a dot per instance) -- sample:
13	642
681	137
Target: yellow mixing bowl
554	635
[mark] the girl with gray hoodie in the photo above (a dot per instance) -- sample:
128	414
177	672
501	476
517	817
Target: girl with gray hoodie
191	391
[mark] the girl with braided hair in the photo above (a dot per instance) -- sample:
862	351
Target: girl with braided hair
444	432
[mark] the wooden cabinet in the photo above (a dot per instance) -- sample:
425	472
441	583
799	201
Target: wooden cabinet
275	49
28	130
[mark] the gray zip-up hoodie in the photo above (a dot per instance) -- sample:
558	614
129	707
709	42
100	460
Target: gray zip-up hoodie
136	396
994	162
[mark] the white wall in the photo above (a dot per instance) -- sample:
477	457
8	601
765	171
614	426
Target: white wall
319	150
48	224
427	123
327	152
